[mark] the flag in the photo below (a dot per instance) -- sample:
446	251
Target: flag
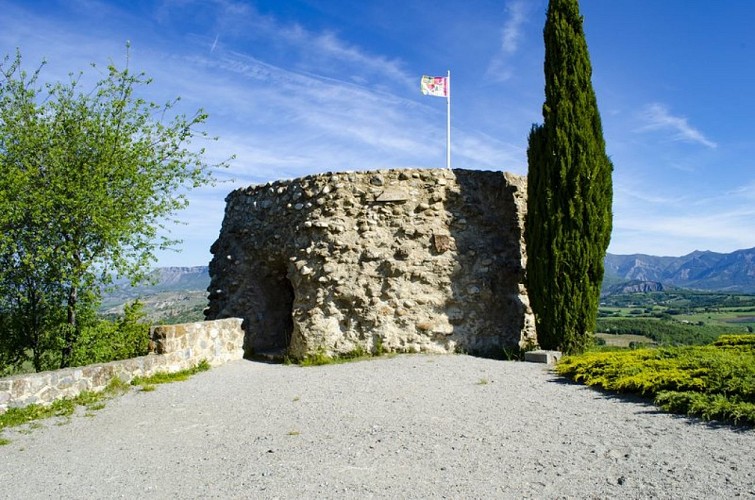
434	85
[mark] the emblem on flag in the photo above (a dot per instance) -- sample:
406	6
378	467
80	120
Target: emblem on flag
434	85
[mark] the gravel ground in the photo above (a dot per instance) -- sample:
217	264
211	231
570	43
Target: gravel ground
402	427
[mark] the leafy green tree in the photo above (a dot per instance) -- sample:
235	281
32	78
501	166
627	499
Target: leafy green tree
101	340
569	190
90	176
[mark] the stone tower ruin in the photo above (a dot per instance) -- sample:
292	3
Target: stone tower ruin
383	261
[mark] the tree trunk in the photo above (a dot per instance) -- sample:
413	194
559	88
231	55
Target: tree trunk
34	317
71	327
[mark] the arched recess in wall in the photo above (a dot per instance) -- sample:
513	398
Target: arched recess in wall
274	325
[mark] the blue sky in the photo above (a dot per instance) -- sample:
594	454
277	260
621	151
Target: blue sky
297	87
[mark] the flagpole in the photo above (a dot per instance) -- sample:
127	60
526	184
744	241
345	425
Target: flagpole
448	120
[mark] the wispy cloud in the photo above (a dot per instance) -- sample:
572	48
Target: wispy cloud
340	109
321	52
661	223
329	48
511	34
641	195
681	234
746	191
282	122
657	117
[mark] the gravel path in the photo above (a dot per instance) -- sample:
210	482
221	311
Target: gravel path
403	427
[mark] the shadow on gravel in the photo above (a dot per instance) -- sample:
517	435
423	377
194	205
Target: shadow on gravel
649	407
624	397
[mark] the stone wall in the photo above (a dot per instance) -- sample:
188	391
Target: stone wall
390	260
175	347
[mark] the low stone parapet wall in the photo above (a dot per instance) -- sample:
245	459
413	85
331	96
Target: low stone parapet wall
174	348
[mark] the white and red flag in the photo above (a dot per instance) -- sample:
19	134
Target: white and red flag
440	86
434	85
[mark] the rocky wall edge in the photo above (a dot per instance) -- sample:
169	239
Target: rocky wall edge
174	348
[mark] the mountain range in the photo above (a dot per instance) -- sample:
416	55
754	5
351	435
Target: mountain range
726	272
175	290
171	295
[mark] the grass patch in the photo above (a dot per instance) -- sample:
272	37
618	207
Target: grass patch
147	383
4	441
713	382
65	407
321	357
90	400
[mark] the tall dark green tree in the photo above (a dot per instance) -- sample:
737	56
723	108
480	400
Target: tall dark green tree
569	190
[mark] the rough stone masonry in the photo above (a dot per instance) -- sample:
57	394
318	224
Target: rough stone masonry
383	261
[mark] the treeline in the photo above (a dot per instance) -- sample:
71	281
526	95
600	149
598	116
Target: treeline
665	332
682	299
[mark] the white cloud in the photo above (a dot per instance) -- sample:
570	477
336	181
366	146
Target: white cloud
643	197
321	52
657	222
681	234
658	117
512	29
305	109
328	46
511	34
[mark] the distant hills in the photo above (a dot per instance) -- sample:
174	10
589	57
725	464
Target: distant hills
166	279
180	293
172	295
726	272
181	278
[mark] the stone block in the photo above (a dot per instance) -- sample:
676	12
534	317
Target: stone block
442	243
392	195
542	356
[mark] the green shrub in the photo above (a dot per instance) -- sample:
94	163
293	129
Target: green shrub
707	406
105	341
321	357
712	382
378	348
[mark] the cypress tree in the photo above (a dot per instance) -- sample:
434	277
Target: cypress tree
569	190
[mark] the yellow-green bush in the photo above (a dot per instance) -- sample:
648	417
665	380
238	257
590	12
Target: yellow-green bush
735	340
715	382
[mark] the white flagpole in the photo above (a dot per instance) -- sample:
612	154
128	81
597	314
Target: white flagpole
448	119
